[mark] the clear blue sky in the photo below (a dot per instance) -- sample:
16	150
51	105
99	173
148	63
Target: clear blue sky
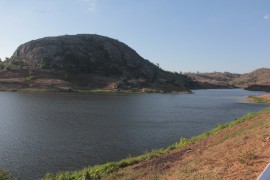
180	35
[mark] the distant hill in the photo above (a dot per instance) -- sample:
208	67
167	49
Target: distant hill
255	80
258	77
83	62
215	78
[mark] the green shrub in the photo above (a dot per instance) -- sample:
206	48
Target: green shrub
247	157
5	175
1	65
7	67
31	78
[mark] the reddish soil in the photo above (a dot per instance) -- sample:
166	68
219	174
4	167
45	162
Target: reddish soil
265	97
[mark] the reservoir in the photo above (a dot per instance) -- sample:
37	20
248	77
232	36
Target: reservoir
50	132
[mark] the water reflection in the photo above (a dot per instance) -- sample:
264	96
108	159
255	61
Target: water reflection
48	132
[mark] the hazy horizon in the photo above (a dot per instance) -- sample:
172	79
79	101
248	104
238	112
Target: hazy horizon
186	36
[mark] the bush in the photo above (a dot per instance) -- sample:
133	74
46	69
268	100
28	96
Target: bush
31	78
1	65
247	157
5	176
7	67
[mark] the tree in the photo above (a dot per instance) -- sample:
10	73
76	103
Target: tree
1	65
7	67
44	63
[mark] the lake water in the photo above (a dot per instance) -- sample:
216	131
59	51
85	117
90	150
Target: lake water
49	132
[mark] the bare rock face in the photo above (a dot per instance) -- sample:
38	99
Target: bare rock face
84	53
85	61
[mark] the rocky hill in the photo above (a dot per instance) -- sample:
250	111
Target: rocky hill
83	62
84	54
215	78
258	80
255	80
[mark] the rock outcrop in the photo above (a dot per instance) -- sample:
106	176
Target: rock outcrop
87	62
85	54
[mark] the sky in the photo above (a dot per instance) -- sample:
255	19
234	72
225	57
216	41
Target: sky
179	35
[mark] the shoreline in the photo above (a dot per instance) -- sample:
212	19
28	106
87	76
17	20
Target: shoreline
112	91
110	168
264	99
104	170
100	91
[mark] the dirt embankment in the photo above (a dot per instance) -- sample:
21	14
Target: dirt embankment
238	152
265	97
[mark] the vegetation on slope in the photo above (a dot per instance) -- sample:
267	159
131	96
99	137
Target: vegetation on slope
265	99
216	79
255	80
160	162
256	77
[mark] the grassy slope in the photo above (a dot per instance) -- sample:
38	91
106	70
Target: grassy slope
232	151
